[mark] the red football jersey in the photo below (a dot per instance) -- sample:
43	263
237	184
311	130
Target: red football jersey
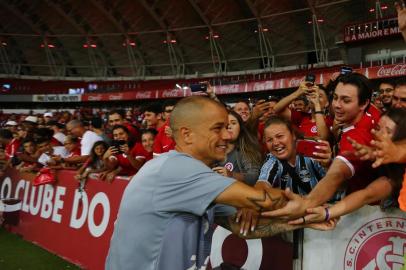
163	143
303	121
362	172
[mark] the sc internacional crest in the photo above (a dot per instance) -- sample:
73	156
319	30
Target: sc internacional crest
378	245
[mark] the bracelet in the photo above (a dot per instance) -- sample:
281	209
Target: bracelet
327	214
320	112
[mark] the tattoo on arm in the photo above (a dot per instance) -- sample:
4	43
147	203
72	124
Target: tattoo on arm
260	203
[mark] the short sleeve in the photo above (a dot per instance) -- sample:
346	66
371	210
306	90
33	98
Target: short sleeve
89	138
270	171
138	151
191	191
347	152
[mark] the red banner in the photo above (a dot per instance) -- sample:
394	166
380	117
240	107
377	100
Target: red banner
78	225
171	93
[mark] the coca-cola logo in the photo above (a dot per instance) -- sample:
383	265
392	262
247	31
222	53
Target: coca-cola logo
398	70
267	85
116	97
295	82
379	244
94	98
143	94
172	93
234	88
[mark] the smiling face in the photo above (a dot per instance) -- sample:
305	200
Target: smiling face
99	150
399	97
243	110
233	127
299	105
120	134
115	119
386	93
280	142
346	107
151	118
147	141
208	136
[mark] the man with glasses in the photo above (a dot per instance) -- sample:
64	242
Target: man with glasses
386	89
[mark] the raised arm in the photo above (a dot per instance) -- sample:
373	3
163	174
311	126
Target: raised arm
284	102
322	129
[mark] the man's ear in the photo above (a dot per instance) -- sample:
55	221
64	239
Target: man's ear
186	135
160	116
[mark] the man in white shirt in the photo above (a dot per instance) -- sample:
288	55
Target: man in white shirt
88	138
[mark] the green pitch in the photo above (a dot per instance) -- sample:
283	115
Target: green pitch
17	254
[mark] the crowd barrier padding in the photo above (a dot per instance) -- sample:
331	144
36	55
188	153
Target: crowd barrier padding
77	226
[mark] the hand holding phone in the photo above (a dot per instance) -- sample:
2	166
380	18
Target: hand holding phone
310	79
117	145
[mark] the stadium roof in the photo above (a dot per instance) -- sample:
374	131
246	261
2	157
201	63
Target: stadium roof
171	37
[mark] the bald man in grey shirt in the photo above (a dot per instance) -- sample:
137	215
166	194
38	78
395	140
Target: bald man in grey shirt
165	217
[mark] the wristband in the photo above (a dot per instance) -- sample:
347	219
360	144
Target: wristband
320	112
327	214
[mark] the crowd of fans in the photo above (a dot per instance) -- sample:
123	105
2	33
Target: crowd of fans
338	118
110	144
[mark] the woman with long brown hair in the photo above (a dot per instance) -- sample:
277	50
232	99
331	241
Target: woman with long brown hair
244	157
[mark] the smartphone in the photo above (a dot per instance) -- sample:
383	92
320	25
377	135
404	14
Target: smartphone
198	87
117	143
345	70
310	79
307	147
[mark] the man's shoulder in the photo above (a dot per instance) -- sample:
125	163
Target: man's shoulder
271	161
90	134
360	134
